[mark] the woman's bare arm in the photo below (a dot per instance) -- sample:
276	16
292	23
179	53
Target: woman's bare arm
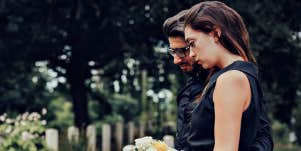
231	98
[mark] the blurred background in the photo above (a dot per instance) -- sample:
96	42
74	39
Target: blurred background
80	62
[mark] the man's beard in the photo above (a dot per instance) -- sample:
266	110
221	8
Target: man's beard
195	67
198	72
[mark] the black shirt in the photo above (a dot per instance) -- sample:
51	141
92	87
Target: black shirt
194	86
254	125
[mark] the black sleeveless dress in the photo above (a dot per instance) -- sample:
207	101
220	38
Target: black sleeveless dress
201	135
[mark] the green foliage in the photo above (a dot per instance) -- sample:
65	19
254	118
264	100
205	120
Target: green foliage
24	133
73	145
69	35
112	119
297	124
272	27
175	88
280	132
125	106
22	88
287	148
61	113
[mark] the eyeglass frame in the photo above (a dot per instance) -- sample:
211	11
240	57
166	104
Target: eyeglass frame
181	52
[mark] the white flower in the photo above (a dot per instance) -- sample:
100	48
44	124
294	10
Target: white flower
44	111
8	129
151	149
34	116
148	144
3	117
44	122
129	148
23	123
9	121
143	143
26	135
171	149
19	118
25	115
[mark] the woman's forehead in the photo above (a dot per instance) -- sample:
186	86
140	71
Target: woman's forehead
192	34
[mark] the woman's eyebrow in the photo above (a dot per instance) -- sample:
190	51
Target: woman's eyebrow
188	39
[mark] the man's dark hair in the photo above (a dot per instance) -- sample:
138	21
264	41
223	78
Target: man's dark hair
174	26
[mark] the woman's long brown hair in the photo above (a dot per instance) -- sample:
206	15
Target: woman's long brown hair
209	15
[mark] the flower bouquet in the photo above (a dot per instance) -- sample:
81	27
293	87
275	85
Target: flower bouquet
148	144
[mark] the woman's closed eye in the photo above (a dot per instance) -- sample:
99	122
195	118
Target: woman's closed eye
191	44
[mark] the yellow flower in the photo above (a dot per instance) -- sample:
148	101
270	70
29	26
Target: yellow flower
160	146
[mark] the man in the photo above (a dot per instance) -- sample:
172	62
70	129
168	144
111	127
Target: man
173	28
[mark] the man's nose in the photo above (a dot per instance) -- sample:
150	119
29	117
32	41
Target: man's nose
177	59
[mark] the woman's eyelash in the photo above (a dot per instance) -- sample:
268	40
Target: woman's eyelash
191	43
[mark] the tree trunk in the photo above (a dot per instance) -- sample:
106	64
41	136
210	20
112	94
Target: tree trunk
76	77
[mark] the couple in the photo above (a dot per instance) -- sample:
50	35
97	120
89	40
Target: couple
221	107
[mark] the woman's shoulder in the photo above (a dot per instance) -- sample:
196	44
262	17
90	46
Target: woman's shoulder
232	77
232	89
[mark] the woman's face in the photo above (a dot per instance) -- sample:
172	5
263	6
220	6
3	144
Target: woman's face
203	47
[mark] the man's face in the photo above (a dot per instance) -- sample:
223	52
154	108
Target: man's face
184	62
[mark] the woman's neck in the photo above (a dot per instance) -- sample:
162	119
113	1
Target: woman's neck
227	59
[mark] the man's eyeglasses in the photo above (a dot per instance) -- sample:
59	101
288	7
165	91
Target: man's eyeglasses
181	52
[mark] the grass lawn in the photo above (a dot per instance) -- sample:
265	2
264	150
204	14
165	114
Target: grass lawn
280	147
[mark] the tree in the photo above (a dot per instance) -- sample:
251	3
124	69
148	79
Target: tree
273	29
76	36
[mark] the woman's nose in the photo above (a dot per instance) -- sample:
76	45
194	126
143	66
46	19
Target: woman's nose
191	53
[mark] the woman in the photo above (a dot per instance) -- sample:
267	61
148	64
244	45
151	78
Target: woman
228	112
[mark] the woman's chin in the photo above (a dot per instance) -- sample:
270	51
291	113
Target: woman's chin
204	65
201	64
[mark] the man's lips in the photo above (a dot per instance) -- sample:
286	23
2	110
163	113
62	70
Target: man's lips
182	65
